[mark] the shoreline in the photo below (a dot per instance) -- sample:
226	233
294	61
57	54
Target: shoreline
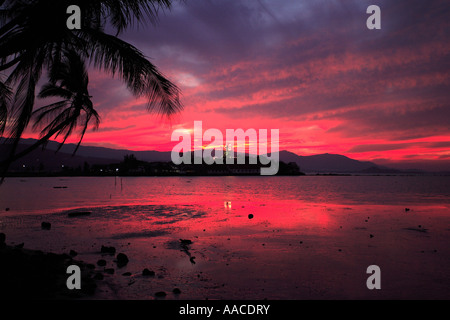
38	275
245	246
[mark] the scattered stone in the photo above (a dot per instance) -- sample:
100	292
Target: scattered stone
32	274
160	294
109	270
301	242
147	272
109	250
339	250
191	259
371	236
407	209
127	274
250	216
7	209
101	262
176	291
79	213
122	259
46	225
73	253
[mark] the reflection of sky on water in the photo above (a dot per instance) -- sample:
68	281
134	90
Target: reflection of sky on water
309	237
36	195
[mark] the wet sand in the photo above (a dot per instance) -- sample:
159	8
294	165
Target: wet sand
288	250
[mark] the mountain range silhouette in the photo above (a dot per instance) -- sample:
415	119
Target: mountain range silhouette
52	160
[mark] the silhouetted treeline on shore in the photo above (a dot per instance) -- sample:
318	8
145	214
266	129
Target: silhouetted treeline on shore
131	166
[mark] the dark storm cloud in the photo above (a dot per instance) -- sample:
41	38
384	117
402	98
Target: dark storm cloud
307	61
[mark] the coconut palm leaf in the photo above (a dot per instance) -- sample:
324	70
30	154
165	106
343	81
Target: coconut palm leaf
110	54
69	81
5	97
34	37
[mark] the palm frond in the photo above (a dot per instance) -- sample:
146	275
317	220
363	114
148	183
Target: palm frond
48	113
126	13
142	78
33	37
5	97
69	80
49	90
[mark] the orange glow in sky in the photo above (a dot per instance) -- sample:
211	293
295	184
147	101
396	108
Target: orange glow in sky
313	71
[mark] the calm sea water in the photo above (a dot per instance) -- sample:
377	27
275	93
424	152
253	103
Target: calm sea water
310	237
41	195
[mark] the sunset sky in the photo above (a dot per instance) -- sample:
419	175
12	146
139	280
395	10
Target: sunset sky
309	68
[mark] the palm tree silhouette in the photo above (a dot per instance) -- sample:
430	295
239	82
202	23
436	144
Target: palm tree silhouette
68	79
34	38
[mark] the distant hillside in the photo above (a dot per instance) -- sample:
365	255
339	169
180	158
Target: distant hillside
327	163
49	160
105	153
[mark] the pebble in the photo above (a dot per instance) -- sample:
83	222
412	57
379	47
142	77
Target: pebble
46	225
250	216
110	250
73	253
176	291
160	294
101	262
122	259
147	272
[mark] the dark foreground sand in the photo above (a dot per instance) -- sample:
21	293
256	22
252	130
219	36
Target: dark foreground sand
34	274
283	251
